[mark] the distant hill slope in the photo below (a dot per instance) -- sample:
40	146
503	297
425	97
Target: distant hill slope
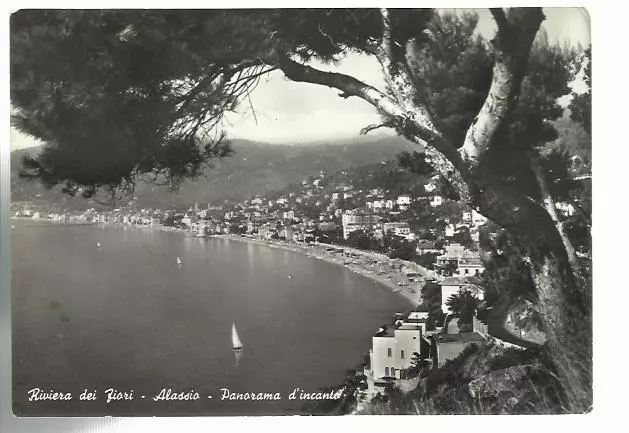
254	168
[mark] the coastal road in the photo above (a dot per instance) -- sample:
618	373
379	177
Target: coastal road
496	324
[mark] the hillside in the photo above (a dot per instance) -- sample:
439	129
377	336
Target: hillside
254	169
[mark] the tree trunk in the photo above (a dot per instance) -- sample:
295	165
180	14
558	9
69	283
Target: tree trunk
564	301
568	332
549	204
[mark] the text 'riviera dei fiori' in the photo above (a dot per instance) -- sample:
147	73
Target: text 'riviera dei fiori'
167	394
110	395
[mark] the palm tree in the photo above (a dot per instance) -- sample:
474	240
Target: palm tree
463	304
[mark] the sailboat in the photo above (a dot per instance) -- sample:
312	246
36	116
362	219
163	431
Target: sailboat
179	262
99	245
238	355
235	340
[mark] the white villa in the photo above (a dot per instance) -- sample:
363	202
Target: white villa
393	348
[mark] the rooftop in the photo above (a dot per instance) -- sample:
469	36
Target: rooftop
471	262
408	327
416	320
389	332
453	281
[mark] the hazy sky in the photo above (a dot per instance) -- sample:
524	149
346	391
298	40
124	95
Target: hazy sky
286	111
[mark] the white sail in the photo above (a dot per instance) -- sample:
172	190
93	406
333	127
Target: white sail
235	340
179	262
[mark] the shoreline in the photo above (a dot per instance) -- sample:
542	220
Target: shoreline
372	265
377	267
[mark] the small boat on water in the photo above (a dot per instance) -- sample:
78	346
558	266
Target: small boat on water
236	343
179	262
99	244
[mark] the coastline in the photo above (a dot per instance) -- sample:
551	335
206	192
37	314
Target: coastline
377	267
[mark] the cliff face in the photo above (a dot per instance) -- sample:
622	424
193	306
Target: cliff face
484	379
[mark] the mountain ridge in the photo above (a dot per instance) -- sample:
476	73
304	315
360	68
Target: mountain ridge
255	168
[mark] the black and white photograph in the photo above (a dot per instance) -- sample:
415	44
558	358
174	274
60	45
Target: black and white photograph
308	211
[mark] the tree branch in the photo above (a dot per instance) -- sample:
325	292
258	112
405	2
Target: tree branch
516	32
415	125
395	72
369	128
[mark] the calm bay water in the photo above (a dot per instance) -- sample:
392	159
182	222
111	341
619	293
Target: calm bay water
125	316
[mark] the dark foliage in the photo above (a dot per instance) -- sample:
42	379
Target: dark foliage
507	276
431	295
426	260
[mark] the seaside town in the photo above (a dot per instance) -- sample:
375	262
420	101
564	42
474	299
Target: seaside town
438	268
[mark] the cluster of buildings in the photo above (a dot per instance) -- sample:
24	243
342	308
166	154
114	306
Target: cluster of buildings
400	350
459	261
320	207
92	216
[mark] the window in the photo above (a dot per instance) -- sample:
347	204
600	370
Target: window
467	271
401	354
389	354
386	371
392	371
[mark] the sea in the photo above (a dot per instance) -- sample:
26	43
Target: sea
118	325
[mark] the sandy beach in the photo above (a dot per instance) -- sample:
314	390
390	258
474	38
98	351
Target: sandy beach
378	267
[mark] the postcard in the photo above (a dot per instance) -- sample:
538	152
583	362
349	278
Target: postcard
262	212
